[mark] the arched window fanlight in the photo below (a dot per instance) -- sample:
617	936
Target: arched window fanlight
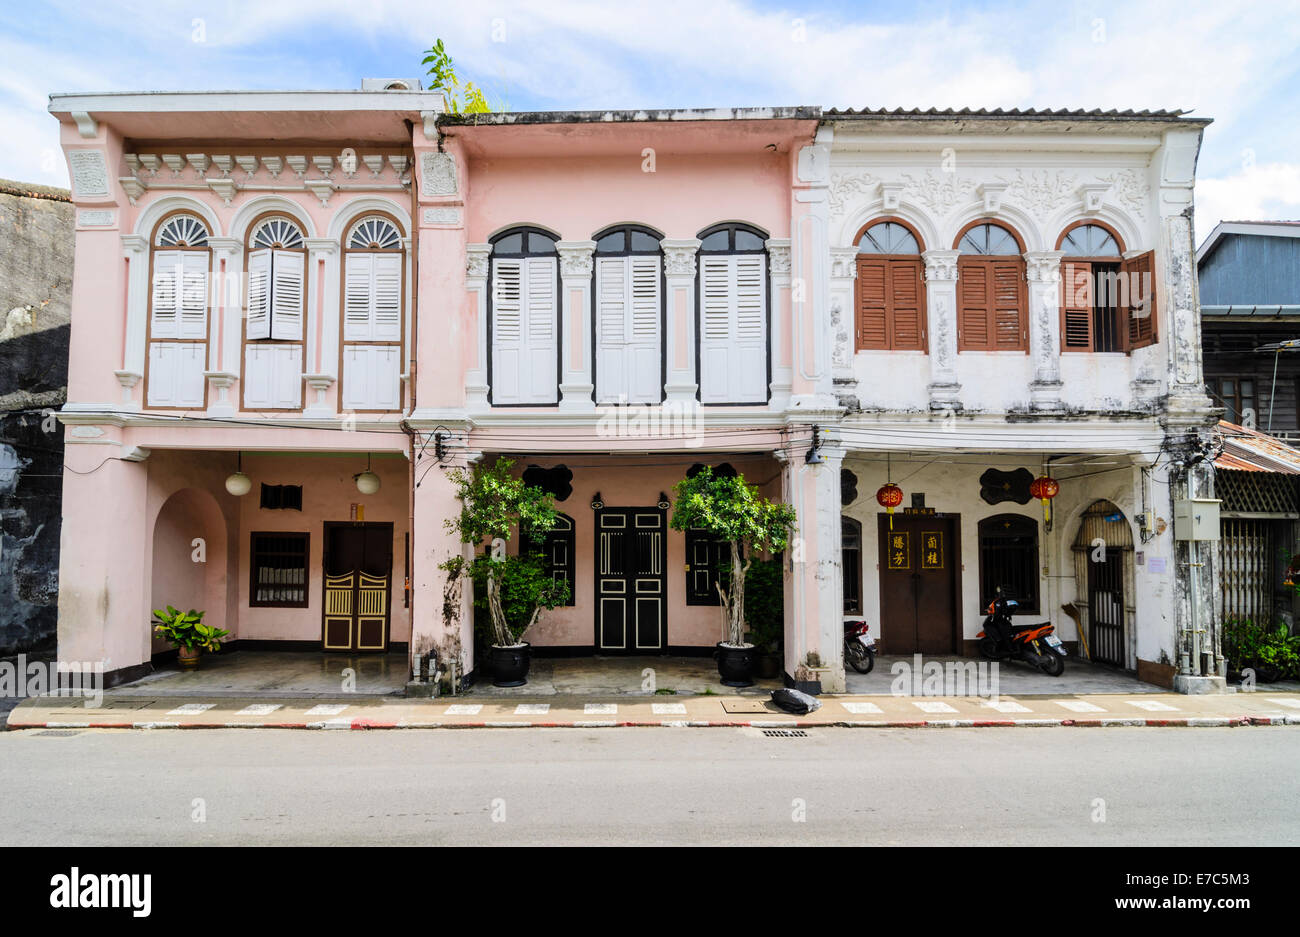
182	231
888	237
374	233
627	239
523	242
732	238
1089	240
990	239
277	232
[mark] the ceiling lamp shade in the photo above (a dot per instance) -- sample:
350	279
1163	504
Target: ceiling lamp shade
367	481
239	484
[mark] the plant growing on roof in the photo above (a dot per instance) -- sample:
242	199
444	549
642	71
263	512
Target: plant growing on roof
443	77
514	589
732	510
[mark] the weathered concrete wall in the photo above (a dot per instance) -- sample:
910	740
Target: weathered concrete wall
36	245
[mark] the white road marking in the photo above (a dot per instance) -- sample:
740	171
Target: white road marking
532	709
1281	701
260	709
668	709
464	709
191	709
326	709
933	707
600	709
1078	706
859	709
1153	706
1004	705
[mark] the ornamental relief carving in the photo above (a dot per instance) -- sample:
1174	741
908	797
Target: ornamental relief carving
841	357
845	185
575	261
778	258
679	261
438	173
939	191
1039	269
844	262
476	264
1130	190
1042	192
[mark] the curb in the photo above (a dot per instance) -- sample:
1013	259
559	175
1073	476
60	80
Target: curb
368	724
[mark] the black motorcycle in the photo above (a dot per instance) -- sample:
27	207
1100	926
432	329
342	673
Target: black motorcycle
859	647
1036	645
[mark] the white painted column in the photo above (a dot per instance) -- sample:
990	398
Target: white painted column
477	262
576	386
319	356
844	272
941	319
1043	269
779	326
225	323
135	249
680	381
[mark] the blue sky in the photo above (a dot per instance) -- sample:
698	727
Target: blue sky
1236	62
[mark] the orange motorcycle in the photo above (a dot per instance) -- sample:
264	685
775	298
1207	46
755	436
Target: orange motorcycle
1036	645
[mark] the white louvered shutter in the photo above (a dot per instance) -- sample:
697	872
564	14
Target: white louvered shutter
386	305
541	340
168	273
287	295
273	377
524	331
259	295
733	329
507	330
162	374
194	295
628	344
358	278
176	374
372	377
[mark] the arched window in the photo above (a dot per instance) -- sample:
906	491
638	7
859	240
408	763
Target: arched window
851	564
1009	559
524	319
374	296
558	549
627	298
1107	301
276	314
178	313
731	315
890	288
992	300
1090	313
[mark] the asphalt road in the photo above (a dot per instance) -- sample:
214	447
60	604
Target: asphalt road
1040	786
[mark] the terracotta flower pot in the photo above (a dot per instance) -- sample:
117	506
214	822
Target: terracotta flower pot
188	657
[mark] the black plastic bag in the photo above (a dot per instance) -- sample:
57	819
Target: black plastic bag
795	701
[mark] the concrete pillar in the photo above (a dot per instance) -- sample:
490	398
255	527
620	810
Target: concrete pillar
1043	269
576	385
442	617
680	384
478	259
844	271
779	325
941	319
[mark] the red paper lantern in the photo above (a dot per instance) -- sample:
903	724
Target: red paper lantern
1045	489
890	496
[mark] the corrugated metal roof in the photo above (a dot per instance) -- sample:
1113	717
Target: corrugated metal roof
1015	112
1249	450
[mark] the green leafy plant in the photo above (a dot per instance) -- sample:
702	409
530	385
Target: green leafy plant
765	604
186	629
734	511
461	99
510	591
1272	652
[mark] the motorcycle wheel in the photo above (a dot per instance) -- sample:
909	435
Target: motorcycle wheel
859	658
989	648
1053	665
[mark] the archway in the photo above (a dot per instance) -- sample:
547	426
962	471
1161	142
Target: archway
189	558
1103	566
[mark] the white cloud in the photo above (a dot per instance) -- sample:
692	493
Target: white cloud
1269	192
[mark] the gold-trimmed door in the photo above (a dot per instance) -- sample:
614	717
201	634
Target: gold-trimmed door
358	586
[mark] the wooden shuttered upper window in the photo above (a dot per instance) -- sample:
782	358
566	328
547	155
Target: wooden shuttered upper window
372	302
179	306
1076	306
525	333
992	301
733	328
1138	273
628	346
276	294
891	303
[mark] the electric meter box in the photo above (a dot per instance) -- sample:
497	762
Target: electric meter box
1196	519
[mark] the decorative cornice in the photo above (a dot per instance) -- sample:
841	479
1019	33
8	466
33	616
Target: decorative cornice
86	125
321	245
778	256
844	262
476	261
321	188
1092	196
225	244
575	258
134	244
1043	266
679	256
132	186
941	265
225	188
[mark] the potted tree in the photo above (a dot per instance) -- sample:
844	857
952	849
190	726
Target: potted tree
734	511
510	591
188	634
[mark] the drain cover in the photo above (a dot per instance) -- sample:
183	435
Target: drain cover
785	734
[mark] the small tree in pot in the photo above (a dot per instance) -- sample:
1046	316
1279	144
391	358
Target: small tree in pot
188	634
514	590
732	510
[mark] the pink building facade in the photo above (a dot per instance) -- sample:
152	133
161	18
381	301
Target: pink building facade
338	297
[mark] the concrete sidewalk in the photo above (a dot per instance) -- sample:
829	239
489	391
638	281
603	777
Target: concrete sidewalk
359	712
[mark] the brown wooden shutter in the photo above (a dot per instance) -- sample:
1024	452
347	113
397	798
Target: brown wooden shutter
1076	306
1139	296
1009	304
975	313
873	307
907	313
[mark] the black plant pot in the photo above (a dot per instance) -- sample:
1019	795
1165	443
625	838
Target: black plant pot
769	666
509	665
736	665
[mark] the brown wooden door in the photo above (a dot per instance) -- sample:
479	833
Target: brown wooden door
919	584
358	583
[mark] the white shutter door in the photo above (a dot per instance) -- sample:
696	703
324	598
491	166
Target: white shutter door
162	374
168	272
386	377
259	295
611	319
507	331
386	299
748	380
259	377
644	351
358	279
190	367
287	380
194	296
540	380
716	320
287	300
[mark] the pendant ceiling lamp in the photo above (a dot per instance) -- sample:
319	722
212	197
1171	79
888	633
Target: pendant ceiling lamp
367	481
239	484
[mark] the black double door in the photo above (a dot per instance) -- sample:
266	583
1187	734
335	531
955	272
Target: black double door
631	581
